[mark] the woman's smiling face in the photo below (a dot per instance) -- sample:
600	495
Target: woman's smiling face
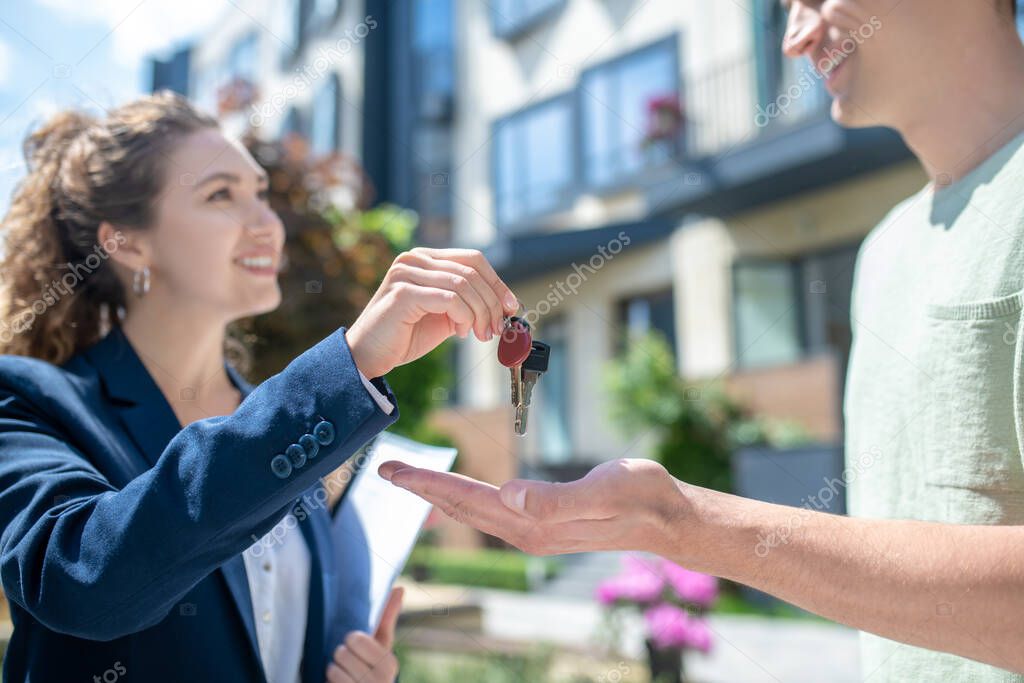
215	243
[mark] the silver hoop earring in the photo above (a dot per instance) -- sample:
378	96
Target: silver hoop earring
140	281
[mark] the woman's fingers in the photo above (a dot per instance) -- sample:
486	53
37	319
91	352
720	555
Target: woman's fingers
443	279
477	261
472	277
389	619
437	301
335	674
363	659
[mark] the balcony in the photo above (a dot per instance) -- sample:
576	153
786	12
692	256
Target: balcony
741	148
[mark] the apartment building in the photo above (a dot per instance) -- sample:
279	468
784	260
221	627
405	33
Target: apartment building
637	165
626	165
370	79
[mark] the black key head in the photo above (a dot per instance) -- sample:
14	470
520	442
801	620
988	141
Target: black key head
537	361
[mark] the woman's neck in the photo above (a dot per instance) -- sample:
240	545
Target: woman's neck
184	353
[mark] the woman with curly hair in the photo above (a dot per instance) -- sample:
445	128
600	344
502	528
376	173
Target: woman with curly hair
136	465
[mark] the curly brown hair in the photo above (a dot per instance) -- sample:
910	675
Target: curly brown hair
58	291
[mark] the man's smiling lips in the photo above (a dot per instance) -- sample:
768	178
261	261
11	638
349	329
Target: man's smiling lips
832	73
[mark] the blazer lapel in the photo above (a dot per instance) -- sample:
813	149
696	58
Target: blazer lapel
139	404
150	421
317	649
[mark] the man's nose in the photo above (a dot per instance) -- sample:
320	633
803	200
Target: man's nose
804	30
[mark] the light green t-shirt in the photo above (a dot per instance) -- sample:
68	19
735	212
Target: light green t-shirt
934	391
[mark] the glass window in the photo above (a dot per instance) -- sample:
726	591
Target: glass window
778	74
534	160
552	408
293	123
767	313
322	14
513	16
242	61
325	124
639	315
615	101
287	22
206	83
433	41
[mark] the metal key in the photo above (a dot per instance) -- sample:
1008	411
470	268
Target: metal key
535	365
513	349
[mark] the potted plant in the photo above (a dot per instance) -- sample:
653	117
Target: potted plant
673	601
665	121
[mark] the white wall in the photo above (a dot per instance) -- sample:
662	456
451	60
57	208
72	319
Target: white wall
338	50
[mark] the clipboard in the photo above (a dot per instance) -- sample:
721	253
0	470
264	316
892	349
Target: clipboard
392	518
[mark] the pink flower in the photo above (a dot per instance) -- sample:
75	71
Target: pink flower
639	582
691	587
670	626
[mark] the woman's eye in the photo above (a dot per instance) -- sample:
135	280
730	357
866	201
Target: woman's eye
223	193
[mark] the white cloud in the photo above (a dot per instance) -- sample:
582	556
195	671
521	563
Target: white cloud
140	29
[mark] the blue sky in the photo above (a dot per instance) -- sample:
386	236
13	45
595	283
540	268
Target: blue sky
91	54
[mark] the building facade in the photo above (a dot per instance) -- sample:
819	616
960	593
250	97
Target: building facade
626	165
659	165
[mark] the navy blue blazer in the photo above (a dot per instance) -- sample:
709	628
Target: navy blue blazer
122	532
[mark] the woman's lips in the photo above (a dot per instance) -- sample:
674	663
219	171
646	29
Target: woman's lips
258	265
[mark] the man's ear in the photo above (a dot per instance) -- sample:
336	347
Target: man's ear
126	248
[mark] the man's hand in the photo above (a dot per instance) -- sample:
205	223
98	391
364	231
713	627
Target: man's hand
363	659
948	587
621	504
427	296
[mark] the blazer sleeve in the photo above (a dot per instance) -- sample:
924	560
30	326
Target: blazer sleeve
95	562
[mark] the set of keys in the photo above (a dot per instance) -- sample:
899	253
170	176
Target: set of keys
527	360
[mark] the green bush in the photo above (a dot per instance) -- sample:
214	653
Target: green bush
503	569
692	422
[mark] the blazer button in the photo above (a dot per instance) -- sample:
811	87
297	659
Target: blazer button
297	454
324	432
281	466
310	445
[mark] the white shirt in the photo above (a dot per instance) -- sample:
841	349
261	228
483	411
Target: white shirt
278	569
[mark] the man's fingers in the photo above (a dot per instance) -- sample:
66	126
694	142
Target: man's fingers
385	634
465	500
541	500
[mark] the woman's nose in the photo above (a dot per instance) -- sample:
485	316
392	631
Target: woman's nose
262	221
804	30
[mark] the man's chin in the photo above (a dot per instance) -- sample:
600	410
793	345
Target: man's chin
848	115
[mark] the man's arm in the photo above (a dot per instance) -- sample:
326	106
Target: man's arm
958	589
946	587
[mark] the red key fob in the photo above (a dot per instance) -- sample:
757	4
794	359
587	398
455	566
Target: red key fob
515	343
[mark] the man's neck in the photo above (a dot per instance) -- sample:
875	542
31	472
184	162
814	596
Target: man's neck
976	109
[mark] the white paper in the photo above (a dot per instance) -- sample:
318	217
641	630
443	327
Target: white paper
391	517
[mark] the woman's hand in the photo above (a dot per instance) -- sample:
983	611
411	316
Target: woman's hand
362	659
427	296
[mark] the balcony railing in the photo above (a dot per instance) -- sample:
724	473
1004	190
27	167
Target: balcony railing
724	108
